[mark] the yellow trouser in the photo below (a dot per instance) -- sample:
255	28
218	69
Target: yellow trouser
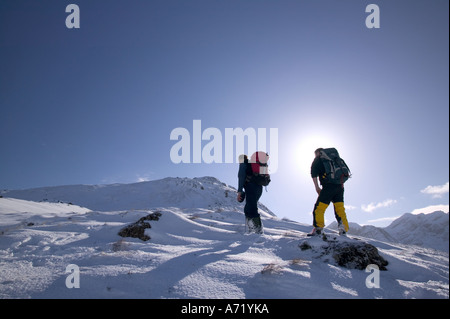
319	215
339	212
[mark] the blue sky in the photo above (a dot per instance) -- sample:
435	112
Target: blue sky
97	104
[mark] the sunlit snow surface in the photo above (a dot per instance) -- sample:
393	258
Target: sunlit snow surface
194	252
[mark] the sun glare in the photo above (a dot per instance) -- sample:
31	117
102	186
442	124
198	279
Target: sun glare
304	151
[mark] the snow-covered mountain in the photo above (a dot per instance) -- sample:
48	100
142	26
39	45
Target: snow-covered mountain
196	248
425	230
205	192
368	231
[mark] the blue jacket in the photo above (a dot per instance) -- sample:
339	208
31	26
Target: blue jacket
242	175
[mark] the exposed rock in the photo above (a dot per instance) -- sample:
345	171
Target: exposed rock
304	245
137	229
348	253
356	255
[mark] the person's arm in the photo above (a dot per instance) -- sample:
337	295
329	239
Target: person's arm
316	184
315	171
242	175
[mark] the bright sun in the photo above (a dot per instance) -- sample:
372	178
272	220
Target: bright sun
304	150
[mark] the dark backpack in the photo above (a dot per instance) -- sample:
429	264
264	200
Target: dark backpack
336	170
257	169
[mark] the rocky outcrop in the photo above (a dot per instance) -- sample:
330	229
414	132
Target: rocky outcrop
137	229
348	253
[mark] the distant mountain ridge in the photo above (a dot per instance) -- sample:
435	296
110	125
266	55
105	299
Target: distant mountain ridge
425	230
167	192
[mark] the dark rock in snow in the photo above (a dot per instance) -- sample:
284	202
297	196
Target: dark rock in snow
347	252
356	255
137	229
304	246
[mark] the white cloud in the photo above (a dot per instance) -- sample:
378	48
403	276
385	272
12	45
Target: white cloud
436	191
431	209
372	206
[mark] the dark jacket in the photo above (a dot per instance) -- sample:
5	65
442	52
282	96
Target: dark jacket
318	170
252	191
242	175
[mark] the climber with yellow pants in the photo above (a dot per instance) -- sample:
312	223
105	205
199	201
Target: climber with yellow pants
331	191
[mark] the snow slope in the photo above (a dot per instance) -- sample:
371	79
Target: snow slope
425	230
194	252
204	192
15	211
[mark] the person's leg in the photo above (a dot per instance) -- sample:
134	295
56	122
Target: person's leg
252	217
257	220
252	195
320	206
254	225
339	209
319	214
341	216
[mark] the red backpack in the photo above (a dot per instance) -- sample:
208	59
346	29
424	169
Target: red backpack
259	169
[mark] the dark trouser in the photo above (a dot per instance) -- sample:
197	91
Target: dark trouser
330	193
252	194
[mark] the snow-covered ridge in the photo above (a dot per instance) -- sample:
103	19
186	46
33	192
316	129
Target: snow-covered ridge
204	192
